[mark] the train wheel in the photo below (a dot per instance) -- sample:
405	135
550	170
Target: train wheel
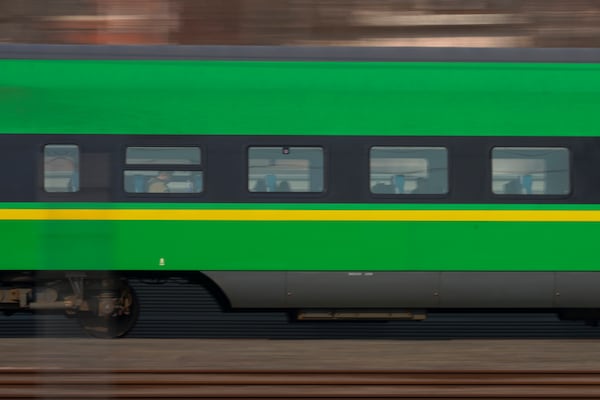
117	312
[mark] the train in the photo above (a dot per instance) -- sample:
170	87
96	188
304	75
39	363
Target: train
335	183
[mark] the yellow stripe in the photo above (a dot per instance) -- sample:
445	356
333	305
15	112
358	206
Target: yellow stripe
303	215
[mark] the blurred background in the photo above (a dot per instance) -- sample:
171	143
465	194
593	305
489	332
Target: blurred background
473	23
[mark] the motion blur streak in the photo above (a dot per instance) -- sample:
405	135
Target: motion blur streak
456	23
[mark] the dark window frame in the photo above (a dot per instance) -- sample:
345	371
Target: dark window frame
287	194
521	196
440	195
75	183
157	167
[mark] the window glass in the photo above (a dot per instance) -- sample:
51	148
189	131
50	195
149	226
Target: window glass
61	168
163	155
165	174
163	181
285	169
530	170
409	170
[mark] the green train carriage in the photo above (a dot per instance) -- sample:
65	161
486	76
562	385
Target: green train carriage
333	182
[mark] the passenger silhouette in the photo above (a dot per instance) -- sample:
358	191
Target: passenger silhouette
260	186
284	186
159	183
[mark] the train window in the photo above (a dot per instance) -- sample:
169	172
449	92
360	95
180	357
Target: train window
159	170
530	170
61	168
163	155
408	170
163	181
285	169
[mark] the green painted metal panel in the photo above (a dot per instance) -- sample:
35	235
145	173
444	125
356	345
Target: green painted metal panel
300	245
304	98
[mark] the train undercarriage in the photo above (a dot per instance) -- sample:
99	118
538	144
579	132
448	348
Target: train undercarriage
106	306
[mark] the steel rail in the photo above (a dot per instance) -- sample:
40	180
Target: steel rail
33	383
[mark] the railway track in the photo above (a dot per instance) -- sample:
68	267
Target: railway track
298	384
